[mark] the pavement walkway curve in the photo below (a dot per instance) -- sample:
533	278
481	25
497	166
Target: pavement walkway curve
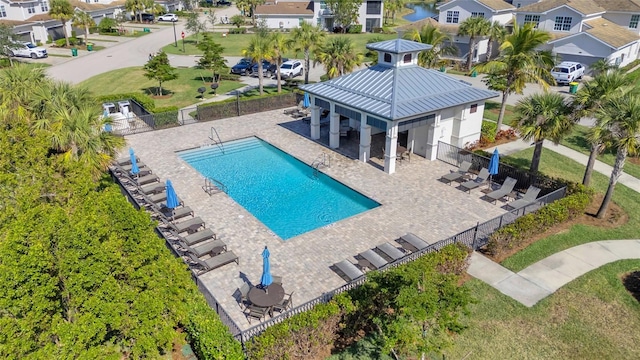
544	277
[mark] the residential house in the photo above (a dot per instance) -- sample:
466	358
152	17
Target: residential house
290	14
454	12
587	30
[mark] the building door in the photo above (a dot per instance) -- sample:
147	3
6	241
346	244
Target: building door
370	24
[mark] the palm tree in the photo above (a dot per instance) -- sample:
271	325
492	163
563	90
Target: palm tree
440	41
136	7
18	83
259	48
589	100
496	33
305	38
543	116
61	10
520	62
620	117
338	56
601	66
280	45
392	7
473	27
84	20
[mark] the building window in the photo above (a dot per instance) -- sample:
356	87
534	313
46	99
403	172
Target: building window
474	109
3	11
477	14
323	5
532	19
44	6
633	24
452	17
407	58
374	7
31	9
562	23
387	57
518	6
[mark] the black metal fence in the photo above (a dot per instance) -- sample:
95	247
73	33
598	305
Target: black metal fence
239	107
454	155
144	120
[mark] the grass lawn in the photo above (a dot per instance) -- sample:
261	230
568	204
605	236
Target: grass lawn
183	90
492	110
233	44
577	140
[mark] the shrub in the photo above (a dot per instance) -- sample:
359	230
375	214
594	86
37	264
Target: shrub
377	30
355	29
209	337
49	39
489	130
107	25
238	31
567	208
231	77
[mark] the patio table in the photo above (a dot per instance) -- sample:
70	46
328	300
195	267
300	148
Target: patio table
273	295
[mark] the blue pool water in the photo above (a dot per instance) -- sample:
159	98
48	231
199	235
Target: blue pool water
279	190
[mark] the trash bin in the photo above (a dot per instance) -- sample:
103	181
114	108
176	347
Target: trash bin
146	30
573	87
89	47
474	73
74	52
443	69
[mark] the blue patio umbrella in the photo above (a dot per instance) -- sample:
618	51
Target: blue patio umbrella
493	164
306	102
172	197
266	278
134	164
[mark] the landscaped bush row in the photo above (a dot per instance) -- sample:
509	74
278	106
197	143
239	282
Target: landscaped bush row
488	136
238	30
567	208
411	309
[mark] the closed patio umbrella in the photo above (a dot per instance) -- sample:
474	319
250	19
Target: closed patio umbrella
493	164
172	197
306	102
266	278
134	164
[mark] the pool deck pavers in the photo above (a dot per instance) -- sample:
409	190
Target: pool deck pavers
413	200
546	276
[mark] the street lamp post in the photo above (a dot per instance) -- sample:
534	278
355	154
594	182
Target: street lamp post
175	37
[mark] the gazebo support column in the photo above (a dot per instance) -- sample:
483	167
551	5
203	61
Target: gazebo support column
390	150
433	135
315	122
365	139
334	130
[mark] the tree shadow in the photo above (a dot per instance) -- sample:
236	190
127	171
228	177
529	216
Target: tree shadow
632	284
578	140
153	91
206	79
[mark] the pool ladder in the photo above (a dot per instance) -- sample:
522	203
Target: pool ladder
215	138
322	160
213	186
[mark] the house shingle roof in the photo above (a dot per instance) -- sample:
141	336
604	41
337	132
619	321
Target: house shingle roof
414	91
286	8
619	5
95	6
584	7
610	33
497	5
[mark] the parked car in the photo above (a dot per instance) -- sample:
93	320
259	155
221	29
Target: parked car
145	17
567	71
168	17
27	49
243	67
223	3
268	68
290	69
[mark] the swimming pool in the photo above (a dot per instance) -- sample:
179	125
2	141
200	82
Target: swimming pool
285	194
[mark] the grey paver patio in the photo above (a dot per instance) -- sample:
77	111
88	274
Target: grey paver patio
413	200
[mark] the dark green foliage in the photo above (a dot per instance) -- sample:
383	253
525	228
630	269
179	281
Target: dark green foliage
159	69
166	119
107	25
412	309
355	29
238	31
512	235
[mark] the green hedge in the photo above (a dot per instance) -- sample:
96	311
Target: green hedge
567	208
355	29
209	337
238	30
390	306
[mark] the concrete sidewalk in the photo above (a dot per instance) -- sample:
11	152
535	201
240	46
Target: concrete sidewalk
546	276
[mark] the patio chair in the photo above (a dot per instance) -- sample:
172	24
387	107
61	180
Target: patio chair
167	214
528	198
125	160
347	270
389	252
477	182
214	248
153	188
244	291
128	167
462	171
412	242
256	312
372	259
285	304
214	262
505	189
277	279
190	226
197	237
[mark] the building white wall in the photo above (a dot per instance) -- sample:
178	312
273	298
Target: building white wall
502	18
547	21
287	22
465	8
582	45
622	19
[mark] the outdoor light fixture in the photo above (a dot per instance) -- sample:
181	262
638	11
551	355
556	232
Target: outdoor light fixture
175	37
